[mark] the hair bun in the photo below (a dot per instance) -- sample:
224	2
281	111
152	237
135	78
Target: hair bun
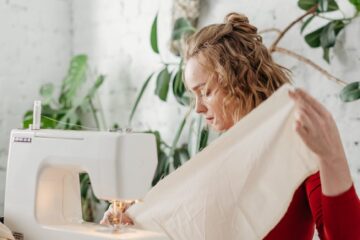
240	22
235	18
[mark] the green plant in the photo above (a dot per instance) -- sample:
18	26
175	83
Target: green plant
324	37
169	78
67	111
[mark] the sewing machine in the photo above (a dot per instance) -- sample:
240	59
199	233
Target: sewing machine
42	198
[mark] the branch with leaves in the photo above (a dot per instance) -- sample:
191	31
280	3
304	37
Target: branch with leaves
324	37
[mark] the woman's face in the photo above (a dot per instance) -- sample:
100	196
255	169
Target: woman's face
209	101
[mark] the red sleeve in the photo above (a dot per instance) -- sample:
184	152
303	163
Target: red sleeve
336	217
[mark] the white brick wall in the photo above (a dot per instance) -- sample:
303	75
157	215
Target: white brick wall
115	35
35	47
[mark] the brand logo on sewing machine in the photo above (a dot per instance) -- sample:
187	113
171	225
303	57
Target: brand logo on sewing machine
22	139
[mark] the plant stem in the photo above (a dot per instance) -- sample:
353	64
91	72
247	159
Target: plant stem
270	30
139	98
93	110
281	35
311	63
178	133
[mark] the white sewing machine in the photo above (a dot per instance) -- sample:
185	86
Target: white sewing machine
42	198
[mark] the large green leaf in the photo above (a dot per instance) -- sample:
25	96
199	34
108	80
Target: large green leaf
350	92
162	84
73	81
181	27
153	35
356	3
306	4
146	83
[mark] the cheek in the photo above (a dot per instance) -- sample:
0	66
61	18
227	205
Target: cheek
215	106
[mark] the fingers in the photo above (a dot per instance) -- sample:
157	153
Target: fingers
309	100
109	216
127	220
106	218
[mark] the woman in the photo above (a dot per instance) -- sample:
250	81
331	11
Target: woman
230	72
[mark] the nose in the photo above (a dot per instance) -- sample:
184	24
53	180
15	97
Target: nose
199	106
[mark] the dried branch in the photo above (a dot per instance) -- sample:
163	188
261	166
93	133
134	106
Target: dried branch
277	40
270	30
311	63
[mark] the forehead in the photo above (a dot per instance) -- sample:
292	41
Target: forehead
195	73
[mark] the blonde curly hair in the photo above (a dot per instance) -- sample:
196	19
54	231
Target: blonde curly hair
233	53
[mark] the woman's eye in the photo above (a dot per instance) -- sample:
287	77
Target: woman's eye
205	93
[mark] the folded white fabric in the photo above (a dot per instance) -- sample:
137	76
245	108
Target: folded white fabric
240	186
5	233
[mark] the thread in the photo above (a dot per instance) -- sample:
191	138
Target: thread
70	124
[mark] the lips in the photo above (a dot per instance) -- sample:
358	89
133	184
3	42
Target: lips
209	119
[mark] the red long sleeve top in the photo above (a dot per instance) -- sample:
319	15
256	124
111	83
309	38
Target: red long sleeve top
335	218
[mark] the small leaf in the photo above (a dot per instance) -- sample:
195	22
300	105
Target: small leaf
178	87
177	160
181	27
47	90
332	6
308	20
328	37
153	35
160	171
323	5
72	82
356	3
27	119
84	184
313	38
327	6
162	84
324	36
350	92
181	155
306	4
326	56
204	135
99	81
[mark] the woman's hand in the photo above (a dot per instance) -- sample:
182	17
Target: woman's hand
316	127
318	130
109	216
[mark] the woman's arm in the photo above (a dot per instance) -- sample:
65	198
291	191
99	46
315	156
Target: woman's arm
333	201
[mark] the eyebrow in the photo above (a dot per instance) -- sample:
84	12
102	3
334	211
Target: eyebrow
197	86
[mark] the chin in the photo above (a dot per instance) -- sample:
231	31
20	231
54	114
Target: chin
218	128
